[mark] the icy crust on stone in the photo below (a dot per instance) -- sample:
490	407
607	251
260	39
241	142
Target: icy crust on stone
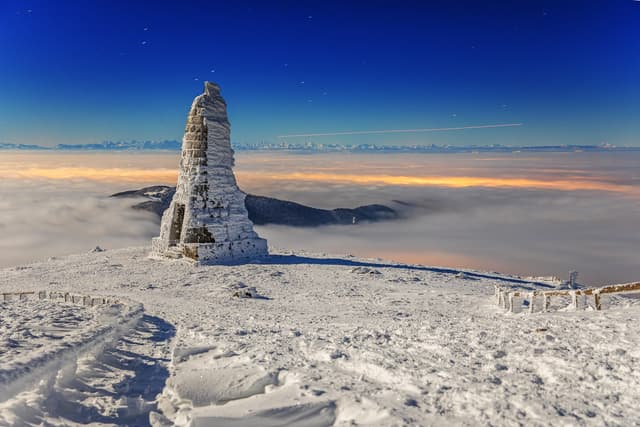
207	219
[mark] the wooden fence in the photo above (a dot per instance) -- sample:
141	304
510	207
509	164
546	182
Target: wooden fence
506	298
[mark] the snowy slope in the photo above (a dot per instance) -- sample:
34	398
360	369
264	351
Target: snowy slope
324	341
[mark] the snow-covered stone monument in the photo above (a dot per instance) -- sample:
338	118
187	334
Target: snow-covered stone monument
207	220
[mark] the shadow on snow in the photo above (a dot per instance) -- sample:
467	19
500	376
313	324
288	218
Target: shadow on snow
295	259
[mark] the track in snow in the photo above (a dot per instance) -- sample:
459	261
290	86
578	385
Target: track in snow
111	383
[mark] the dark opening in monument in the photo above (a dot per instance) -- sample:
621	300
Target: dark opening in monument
176	225
198	235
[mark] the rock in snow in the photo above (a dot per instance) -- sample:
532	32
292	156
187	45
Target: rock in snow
207	220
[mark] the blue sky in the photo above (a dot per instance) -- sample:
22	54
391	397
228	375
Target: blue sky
87	71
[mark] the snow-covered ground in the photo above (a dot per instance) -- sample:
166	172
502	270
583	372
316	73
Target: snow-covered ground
324	340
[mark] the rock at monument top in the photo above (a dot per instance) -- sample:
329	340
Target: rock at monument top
211	89
214	107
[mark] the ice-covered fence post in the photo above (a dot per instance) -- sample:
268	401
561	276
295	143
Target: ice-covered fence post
596	301
496	293
574	300
511	297
547	301
583	300
500	297
532	298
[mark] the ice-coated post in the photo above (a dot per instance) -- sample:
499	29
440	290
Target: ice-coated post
596	301
532	297
574	300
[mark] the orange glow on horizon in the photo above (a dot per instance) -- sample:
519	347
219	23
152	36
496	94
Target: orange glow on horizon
446	181
169	176
95	174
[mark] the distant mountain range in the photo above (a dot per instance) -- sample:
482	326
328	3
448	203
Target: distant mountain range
172	145
5	146
267	210
102	146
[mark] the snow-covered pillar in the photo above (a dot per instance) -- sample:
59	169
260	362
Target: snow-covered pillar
207	220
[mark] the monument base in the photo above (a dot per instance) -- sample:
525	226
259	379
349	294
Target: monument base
212	253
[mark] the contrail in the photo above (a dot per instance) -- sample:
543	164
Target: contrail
371	132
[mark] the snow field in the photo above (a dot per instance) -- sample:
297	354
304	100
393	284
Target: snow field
344	341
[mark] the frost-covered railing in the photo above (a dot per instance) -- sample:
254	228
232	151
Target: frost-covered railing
506	298
87	300
8	296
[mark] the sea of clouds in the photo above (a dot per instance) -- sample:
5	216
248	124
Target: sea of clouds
527	231
42	219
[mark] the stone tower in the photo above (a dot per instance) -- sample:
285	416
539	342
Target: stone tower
207	220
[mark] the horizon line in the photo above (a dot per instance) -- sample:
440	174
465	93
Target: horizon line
372	132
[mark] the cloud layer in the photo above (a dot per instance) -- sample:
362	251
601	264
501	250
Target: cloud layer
529	233
42	219
529	215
